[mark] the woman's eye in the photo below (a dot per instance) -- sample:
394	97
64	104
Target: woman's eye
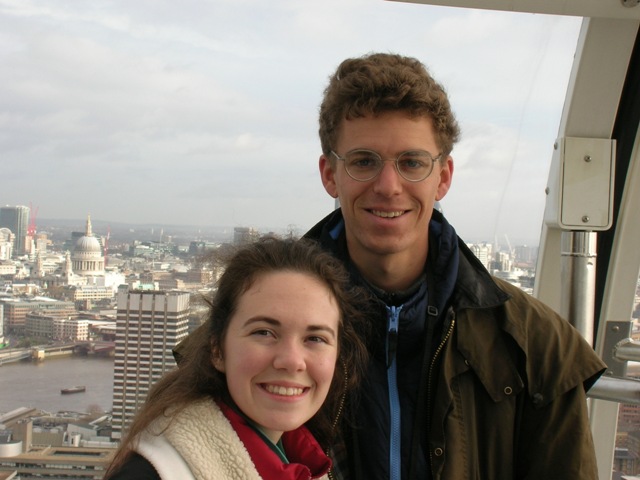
261	333
316	339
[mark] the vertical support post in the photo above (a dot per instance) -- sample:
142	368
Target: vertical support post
578	253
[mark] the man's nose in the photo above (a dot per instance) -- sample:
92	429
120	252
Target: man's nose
388	182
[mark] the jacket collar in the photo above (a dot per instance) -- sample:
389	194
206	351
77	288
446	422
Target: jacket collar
474	287
476	297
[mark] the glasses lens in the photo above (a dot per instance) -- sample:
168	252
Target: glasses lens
363	164
415	166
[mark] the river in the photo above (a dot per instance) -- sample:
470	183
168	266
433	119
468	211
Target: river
29	384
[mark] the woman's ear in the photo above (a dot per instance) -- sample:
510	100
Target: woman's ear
217	359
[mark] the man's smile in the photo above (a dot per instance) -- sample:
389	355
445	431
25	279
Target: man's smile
384	214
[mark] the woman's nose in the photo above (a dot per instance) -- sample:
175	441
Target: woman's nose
289	356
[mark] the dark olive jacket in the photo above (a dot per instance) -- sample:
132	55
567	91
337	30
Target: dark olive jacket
511	399
505	386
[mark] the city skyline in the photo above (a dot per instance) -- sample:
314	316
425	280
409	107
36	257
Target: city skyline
205	114
161	231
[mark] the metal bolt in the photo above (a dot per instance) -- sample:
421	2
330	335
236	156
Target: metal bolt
587	158
585	218
615	328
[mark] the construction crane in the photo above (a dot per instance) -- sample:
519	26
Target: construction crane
31	229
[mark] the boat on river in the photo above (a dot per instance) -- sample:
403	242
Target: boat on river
76	389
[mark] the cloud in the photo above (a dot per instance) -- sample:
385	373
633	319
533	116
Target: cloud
498	184
201	112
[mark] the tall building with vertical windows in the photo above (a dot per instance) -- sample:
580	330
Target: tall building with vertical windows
7	242
149	324
483	252
16	219
245	235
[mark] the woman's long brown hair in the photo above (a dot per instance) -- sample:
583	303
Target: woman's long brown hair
196	378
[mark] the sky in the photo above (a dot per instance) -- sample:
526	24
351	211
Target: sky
205	112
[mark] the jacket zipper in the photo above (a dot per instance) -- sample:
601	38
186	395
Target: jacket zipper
394	397
334	425
430	380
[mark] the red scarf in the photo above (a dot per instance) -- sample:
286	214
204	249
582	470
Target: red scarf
307	460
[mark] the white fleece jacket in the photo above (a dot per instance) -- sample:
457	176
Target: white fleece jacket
199	443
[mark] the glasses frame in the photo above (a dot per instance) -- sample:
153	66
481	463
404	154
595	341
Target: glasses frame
395	162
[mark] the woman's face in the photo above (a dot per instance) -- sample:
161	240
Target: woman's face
280	350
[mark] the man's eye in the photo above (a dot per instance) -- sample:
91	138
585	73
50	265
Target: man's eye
412	163
362	160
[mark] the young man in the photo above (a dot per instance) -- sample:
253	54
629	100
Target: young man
470	378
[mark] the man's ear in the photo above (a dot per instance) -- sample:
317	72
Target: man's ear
328	176
446	174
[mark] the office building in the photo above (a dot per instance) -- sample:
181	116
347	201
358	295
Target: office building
149	324
16	219
483	252
34	445
245	235
53	327
16	310
7	241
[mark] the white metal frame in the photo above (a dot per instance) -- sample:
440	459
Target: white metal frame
605	45
625	9
619	294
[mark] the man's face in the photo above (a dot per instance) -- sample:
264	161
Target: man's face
387	215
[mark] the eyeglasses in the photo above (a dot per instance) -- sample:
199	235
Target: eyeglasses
364	165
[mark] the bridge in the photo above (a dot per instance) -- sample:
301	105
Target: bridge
42	352
10	355
95	348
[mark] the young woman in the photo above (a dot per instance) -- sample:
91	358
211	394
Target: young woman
283	349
